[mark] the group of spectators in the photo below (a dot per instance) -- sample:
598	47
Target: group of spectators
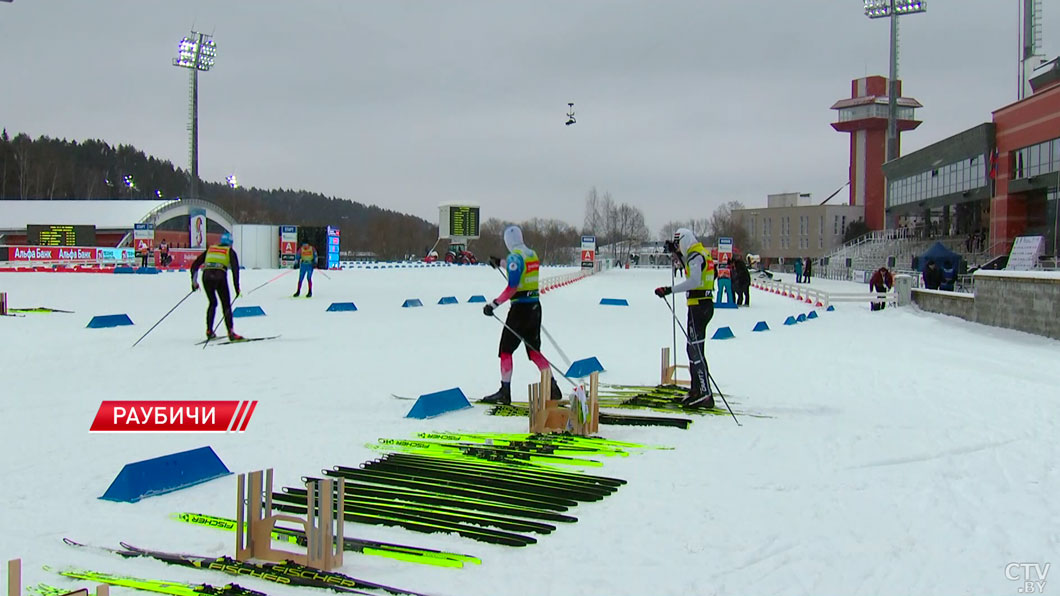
803	269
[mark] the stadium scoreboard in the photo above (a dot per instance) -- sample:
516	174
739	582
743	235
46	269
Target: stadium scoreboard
459	221
60	235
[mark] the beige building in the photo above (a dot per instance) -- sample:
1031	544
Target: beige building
792	225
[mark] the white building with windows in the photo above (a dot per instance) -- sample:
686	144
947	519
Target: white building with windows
793	226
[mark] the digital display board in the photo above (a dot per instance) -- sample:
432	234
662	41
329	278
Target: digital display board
60	235
463	221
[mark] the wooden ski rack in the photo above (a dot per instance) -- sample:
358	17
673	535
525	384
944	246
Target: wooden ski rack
14	582
323	524
669	371
551	415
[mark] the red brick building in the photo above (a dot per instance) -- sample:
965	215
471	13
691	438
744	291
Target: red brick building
1027	135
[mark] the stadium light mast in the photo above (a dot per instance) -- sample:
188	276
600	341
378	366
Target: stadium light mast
196	52
892	9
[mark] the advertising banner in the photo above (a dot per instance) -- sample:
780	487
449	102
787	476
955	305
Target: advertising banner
1025	252
725	249
333	248
143	236
115	254
183	257
60	253
197	229
288	245
588	251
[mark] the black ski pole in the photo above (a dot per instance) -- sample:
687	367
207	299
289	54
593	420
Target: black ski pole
543	330
673	302
163	318
701	355
553	366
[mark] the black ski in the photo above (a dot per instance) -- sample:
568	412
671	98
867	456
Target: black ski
219	341
293	573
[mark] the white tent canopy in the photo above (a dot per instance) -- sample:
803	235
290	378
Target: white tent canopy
108	215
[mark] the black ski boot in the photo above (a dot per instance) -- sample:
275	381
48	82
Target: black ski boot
502	396
698	400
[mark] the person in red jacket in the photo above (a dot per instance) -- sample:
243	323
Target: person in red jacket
881	281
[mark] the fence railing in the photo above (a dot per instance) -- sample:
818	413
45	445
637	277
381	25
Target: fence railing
804	293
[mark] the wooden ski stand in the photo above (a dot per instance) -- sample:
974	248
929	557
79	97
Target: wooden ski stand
14	582
323	523
550	415
669	371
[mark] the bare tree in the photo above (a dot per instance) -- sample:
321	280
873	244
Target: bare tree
724	223
593	216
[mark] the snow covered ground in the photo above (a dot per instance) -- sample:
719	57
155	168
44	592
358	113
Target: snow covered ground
906	452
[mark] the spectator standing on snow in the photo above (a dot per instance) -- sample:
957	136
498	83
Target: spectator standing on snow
741	282
881	281
932	275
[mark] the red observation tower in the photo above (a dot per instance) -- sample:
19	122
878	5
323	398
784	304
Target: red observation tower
864	116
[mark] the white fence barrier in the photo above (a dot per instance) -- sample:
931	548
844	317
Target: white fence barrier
816	297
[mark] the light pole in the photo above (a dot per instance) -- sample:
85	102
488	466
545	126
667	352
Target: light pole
892	9
196	52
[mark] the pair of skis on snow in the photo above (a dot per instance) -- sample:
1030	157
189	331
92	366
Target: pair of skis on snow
288	573
224	341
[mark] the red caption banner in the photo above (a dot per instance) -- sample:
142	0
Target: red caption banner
204	416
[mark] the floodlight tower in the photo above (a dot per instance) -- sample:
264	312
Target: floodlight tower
196	52
1030	37
892	9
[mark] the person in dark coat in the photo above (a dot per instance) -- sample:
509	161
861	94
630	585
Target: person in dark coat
932	275
741	282
807	269
881	281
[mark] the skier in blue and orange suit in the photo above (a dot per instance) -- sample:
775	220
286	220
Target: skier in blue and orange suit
307	261
216	261
523	324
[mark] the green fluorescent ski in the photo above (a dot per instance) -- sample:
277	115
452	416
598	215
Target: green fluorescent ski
432	499
531	472
551	438
404	492
452	488
513	453
427	526
381	549
512	444
605	417
158	586
441	471
442	514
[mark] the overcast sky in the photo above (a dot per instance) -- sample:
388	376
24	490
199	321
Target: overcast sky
681	104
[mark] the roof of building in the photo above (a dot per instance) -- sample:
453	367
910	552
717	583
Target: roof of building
16	215
905	102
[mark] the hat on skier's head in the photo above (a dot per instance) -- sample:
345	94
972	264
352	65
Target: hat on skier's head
513	237
226	239
684	239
